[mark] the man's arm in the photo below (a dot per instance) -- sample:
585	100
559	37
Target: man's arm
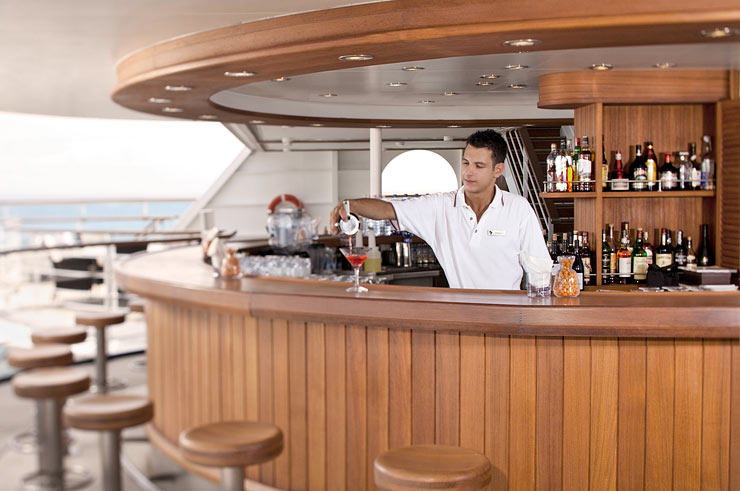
375	209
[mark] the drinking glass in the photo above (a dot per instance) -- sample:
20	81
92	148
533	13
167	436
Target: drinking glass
356	256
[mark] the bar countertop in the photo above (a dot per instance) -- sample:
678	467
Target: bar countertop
179	275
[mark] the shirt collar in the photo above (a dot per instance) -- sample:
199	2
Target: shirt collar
498	198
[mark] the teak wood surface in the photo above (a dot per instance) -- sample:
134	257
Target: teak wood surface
603	408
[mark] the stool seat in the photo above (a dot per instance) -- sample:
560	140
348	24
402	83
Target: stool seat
432	467
63	335
108	412
136	306
51	383
47	355
231	444
99	319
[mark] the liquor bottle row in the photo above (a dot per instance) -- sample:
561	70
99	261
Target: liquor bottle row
574	244
571	169
627	260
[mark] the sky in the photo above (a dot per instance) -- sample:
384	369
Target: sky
51	157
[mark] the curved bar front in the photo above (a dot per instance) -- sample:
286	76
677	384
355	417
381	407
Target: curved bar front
607	388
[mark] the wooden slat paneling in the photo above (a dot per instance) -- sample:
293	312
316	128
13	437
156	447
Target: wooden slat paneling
549	413
604	394
497	408
266	385
715	444
687	423
247	343
472	398
728	188
377	397
356	407
659	414
576	413
336	406
422	387
522	415
399	411
298	405
317	402
447	408
631	423
735	418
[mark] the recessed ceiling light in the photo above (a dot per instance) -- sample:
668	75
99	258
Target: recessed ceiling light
719	32
450	94
356	57
172	109
177	88
412	68
489	76
601	67
208	117
516	67
257	121
517	86
396	84
664	65
239	74
521	43
159	100
281	79
484	84
317	124
453	125
384	126
328	94
427	101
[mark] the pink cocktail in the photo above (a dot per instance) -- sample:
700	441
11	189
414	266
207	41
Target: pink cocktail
356	256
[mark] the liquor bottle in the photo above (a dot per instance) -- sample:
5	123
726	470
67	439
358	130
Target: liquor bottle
570	171
604	165
705	253
680	252
585	166
585	253
606	257
619	181
575	152
651	164
626	228
572	247
639	259
638	171
624	258
695	168
552	175
690	254
668	174
663	254
684	171
554	248
561	167
613	247
577	262
648	247
707	165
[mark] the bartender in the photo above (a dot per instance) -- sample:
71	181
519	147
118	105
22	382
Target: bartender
477	231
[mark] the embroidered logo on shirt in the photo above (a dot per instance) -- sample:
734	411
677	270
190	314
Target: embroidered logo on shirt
496	233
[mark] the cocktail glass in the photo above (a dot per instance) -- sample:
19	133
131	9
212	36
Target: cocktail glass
356	256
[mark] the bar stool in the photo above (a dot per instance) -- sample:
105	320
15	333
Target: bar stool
100	321
136	306
59	335
432	467
109	414
231	446
50	387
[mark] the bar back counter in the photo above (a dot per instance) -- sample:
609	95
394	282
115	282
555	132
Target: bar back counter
608	390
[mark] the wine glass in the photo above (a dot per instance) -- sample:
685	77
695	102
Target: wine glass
356	256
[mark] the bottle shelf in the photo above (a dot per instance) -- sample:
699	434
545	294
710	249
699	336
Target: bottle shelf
634	194
590	194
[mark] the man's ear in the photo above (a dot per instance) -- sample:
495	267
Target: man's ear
498	169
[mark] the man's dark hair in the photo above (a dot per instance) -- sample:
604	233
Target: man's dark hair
491	140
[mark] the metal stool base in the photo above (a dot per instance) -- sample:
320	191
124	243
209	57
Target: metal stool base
27	442
75	477
112	384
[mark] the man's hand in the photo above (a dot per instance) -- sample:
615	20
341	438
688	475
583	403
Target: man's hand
337	213
375	209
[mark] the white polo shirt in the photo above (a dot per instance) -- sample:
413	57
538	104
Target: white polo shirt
473	254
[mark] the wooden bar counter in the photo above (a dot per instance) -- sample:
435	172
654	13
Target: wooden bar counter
611	390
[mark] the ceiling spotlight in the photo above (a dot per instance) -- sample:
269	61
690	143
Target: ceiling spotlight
517	86
239	74
601	67
159	100
208	117
516	67
427	101
396	84
719	32
328	94
412	68
257	121
521	43
450	94
177	88
484	84
664	65
317	124
355	57
489	76
172	109
383	126
281	79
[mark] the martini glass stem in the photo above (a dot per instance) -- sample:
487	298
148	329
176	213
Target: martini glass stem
357	277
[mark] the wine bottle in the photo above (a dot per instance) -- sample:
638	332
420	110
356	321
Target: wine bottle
624	258
585	253
651	164
552	175
668	174
648	247
707	165
606	258
705	253
695	168
577	262
613	247
663	254
690	254
680	252
626	228
585	166
570	171
575	154
619	181
561	167
638	171
684	171
639	259
604	165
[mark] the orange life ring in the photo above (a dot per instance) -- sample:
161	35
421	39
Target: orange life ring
284	197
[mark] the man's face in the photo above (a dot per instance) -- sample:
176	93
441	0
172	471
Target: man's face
478	170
